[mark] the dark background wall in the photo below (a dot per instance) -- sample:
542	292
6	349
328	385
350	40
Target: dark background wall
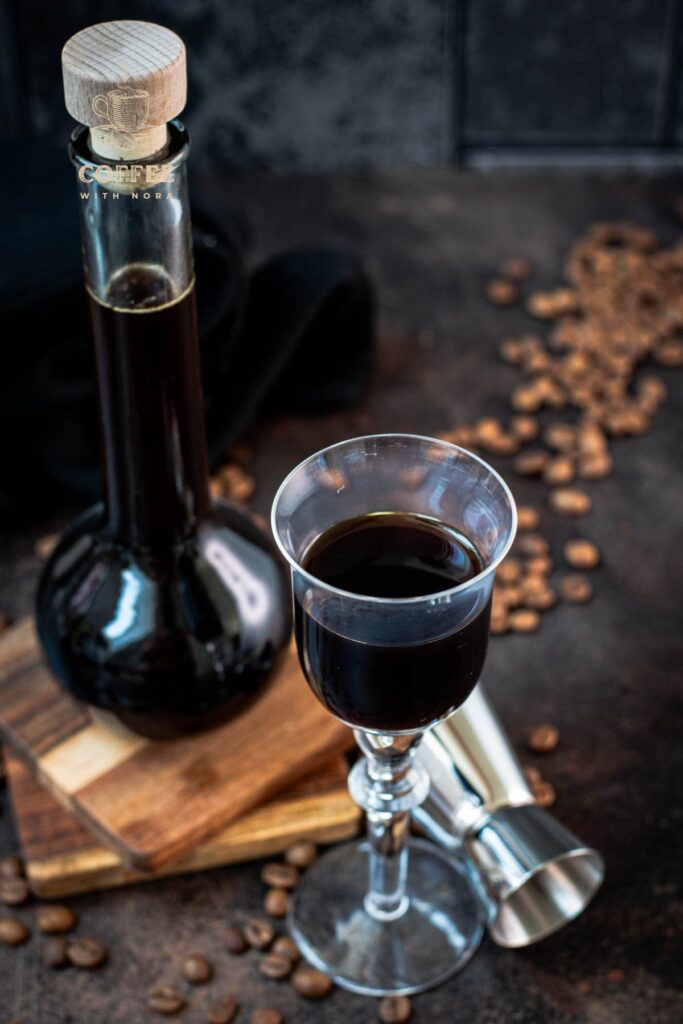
389	83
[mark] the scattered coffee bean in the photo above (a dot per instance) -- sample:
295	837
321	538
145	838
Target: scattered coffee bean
165	999
516	269
86	953
532	773
44	546
285	946
524	620
559	472
280	876
258	933
595	467
527	518
197	969
543	739
524	427
541	600
310	983
544	793
501	292
276	966
13	932
54	952
276	902
531	463
539	565
266	1015
560	436
14	891
224	1011
56	919
567	501
509	570
235	942
581	554
394	1010
11	867
576	588
532	545
301	854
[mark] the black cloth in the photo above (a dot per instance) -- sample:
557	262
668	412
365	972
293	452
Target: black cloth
294	334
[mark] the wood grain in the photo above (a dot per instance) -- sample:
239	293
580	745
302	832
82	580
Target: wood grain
63	858
149	801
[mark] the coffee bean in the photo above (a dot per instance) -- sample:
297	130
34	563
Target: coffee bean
516	269
499	621
569	502
276	966
258	933
524	427
501	292
86	953
526	398
11	867
13	932
595	467
56	919
544	793
559	471
235	942
301	854
539	565
669	353
280	876
224	1011
311	984
527	518
543	739
54	952
285	946
531	463
14	891
266	1015
576	588
165	999
509	570
394	1010
532	545
561	436
524	620
542	600
532	773
197	969
581	554
276	902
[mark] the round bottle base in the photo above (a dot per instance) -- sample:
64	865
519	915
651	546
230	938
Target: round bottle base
435	937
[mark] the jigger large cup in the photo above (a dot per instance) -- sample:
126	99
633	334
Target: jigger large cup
534	874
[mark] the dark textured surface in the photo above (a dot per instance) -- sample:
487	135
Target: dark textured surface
562	73
606	673
386	83
287	85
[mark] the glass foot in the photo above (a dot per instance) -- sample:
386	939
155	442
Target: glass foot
434	938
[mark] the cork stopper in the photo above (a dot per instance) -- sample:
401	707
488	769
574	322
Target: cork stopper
125	80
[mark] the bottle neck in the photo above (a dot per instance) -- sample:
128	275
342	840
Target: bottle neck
139	276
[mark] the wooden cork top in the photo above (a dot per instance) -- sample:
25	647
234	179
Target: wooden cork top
126	80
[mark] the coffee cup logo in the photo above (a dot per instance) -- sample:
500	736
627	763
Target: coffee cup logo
125	110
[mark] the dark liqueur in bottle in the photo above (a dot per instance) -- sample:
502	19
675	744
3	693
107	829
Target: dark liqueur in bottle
161	605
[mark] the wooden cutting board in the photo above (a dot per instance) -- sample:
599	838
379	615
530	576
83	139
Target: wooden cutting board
63	858
154	801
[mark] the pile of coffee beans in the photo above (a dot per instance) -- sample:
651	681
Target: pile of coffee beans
581	388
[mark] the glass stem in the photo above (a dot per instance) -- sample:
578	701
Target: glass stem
388	783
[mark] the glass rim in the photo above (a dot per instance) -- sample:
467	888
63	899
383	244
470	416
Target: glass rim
401	601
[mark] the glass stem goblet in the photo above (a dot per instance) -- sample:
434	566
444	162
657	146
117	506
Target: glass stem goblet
392	914
387	783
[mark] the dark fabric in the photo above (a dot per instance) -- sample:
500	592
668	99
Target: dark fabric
294	335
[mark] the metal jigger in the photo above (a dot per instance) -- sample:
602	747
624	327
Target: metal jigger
532	873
